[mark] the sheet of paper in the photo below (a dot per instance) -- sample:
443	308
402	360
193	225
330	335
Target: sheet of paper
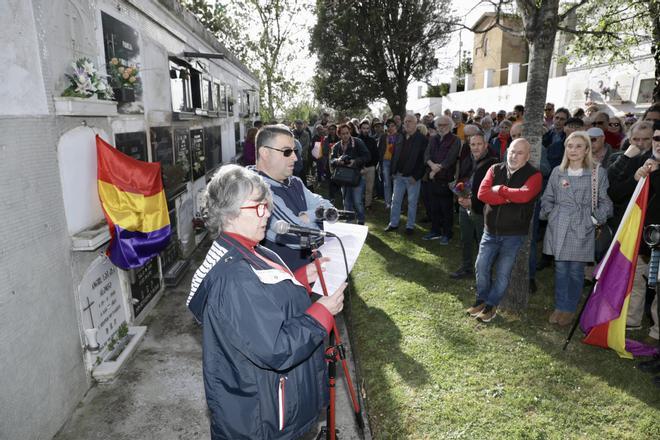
353	237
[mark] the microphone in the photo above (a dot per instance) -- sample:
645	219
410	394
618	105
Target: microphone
282	227
332	214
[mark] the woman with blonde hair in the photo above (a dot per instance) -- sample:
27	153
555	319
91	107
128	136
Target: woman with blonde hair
575	201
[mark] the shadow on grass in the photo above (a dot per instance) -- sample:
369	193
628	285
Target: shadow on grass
388	348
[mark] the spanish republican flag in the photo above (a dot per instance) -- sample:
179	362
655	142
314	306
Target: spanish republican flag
604	317
134	204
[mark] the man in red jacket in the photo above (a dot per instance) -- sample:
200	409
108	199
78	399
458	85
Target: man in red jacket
509	191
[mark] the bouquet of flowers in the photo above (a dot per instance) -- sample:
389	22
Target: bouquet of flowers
461	189
86	81
122	75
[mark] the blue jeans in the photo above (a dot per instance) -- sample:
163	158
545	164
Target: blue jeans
353	199
504	249
401	186
387	181
569	280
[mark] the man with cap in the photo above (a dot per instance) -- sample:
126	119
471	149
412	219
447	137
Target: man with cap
600	151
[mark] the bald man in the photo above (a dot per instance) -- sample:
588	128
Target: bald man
509	191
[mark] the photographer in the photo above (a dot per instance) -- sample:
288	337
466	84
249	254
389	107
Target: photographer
351	152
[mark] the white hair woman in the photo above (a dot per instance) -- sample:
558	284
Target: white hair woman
263	359
572	213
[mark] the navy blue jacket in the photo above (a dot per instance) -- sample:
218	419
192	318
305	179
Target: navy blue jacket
263	361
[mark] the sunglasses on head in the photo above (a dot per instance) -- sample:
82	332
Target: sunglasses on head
287	152
656	138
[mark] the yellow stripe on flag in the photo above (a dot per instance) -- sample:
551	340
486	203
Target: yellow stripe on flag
616	332
629	233
134	212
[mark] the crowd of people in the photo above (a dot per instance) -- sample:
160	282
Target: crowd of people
263	334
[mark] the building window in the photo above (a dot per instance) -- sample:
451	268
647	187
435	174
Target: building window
485	47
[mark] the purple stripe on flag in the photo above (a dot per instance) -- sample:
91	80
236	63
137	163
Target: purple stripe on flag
606	301
637	348
132	249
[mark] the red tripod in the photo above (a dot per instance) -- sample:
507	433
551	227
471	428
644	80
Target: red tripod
334	353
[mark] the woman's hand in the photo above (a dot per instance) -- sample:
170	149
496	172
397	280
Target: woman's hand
335	302
312	274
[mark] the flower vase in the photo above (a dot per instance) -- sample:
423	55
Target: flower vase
90	336
124	94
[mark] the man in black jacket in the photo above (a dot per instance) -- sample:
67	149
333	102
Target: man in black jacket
369	170
471	214
407	172
639	160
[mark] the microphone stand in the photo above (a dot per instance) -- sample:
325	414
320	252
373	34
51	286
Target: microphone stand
334	353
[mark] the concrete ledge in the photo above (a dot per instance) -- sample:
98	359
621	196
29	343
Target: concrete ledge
108	370
71	106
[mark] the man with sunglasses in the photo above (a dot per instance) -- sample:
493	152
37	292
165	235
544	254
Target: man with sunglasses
639	160
600	150
293	202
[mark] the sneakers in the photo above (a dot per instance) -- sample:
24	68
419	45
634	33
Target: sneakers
410	231
461	273
431	236
476	308
487	314
390	228
444	241
652	366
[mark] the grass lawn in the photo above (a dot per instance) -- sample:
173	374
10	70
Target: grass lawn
432	372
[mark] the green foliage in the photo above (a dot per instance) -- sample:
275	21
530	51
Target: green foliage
264	35
122	332
373	49
437	91
431	372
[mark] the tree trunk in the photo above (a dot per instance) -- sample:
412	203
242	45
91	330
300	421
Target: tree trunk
540	30
654	7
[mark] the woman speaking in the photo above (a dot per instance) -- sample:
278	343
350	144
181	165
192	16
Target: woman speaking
263	357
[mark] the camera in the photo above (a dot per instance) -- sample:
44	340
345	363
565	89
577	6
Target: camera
331	215
651	235
345	159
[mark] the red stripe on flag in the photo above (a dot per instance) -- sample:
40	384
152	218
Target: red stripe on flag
126	173
598	335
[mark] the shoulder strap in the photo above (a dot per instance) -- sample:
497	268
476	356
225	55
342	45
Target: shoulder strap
594	188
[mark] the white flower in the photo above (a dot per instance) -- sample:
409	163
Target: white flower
88	67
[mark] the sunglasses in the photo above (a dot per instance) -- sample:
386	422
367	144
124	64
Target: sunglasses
260	208
615	124
656	138
594	139
287	152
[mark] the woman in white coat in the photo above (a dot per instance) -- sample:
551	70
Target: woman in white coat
573	207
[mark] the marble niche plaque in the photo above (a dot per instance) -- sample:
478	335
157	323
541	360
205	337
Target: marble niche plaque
101	302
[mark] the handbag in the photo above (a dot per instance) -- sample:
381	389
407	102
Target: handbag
346	176
604	234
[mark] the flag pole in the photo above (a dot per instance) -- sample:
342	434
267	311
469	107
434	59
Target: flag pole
577	318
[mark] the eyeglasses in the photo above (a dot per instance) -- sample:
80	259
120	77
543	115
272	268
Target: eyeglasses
260	208
615	124
594	139
287	152
656	138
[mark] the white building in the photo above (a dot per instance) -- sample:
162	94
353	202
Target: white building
190	110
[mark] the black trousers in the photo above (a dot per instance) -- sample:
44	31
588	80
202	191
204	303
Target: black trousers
441	208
